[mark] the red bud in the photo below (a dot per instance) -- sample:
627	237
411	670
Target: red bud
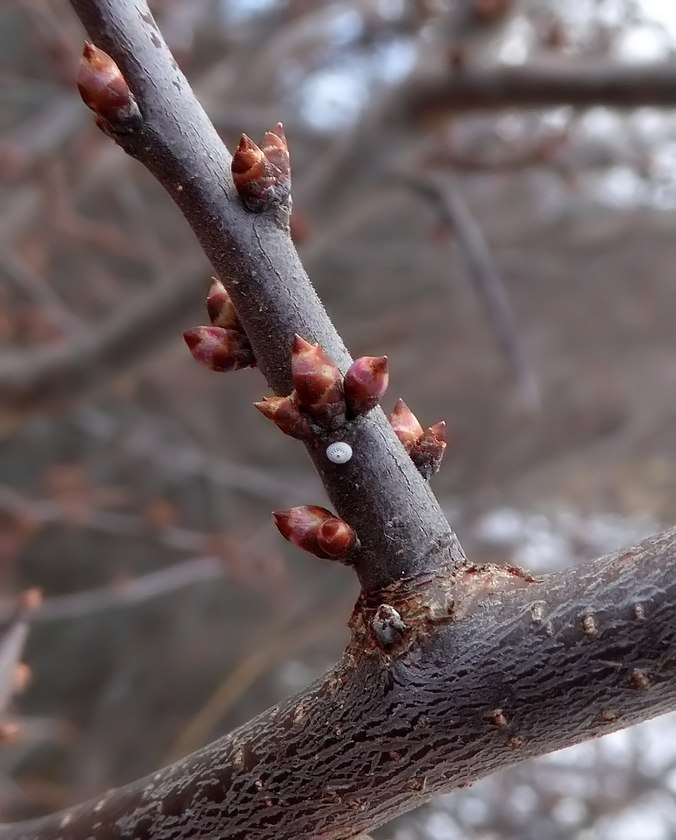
317	531
276	150
219	349
222	312
405	425
428	451
318	383
103	87
335	538
439	431
262	175
365	383
283	411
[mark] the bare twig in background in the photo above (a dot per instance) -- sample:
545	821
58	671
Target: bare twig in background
582	85
443	188
51	378
133	591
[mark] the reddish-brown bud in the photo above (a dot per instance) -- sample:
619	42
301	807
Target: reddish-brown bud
276	150
262	176
428	450
365	383
284	413
222	312
405	425
317	531
219	349
103	88
439	431
318	383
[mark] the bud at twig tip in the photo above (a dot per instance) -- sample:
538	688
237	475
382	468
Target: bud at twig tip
103	88
439	431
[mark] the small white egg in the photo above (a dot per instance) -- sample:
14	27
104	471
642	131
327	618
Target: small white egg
339	452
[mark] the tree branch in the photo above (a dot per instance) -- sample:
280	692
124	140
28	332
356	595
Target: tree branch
514	669
452	671
379	493
481	88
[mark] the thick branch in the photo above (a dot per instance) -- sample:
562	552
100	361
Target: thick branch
541	86
511	670
400	525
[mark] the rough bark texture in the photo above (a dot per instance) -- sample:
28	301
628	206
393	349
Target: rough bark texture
505	669
487	666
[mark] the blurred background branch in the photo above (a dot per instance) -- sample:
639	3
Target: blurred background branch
133	480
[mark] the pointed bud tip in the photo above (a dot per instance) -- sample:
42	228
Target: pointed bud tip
246	156
439	431
365	383
220	308
192	337
405	424
300	345
318	383
284	413
280	516
219	349
216	287
103	88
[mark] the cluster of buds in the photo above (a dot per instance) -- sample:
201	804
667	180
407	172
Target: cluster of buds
224	345
317	531
262	174
321	395
425	446
104	89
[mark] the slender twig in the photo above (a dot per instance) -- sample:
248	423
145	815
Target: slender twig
51	378
479	88
129	593
380	492
443	188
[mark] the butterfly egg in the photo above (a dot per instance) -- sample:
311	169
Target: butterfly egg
339	452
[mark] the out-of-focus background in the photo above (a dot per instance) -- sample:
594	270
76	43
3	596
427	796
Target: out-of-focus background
136	488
